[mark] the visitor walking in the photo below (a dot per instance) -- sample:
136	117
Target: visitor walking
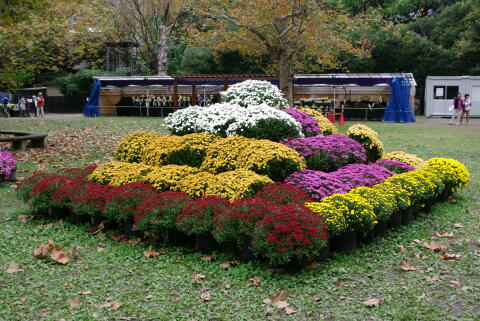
22	107
5	102
457	109
34	101
467	105
40	104
28	106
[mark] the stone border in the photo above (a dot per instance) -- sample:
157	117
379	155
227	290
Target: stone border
20	139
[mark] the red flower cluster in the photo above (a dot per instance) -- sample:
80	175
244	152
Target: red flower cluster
63	197
280	193
76	173
292	232
197	218
42	191
24	188
159	212
122	202
92	200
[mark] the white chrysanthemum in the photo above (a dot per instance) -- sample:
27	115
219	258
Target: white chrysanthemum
254	92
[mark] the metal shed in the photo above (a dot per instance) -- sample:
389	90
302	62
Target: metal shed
440	91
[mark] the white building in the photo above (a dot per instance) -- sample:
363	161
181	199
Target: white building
440	91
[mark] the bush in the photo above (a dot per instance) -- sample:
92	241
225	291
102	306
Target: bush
318	184
7	164
369	139
326	127
123	201
178	150
24	188
43	190
197	218
382	201
234	226
453	173
280	193
410	159
292	234
167	177
77	173
308	123
120	173
256	121
64	196
395	166
92	201
158	214
254	92
130	149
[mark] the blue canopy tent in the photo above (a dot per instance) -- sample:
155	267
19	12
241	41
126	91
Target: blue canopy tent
91	107
399	108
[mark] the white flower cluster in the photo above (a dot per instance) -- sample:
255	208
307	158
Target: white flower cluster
227	118
254	92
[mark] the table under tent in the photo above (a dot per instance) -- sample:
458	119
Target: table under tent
359	96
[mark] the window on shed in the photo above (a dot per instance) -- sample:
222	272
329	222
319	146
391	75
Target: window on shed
452	91
439	92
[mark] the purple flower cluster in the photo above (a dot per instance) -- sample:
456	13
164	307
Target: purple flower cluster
396	166
7	164
320	184
308	123
340	148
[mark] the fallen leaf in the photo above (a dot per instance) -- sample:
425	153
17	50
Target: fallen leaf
149	297
456	283
432	278
14	268
6	219
151	252
406	266
311	267
458	225
207	258
95	229
289	310
440	234
277	296
465	288
309	313
67	284
44	225
372	302
100	249
401	249
197	278
117	237
116	305
59	222
74	302
134	241
317	298
417	241
87	292
227	286
228	264
109	298
24	218
434	246
255	280
450	256
205	297
60	257
177	260
281	304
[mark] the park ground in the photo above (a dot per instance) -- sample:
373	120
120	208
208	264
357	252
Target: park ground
165	287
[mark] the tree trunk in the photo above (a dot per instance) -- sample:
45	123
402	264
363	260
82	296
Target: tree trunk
285	77
162	51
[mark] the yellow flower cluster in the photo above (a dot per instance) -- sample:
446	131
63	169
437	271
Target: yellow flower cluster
382	201
453	173
264	157
231	185
369	140
130	149
120	173
326	127
166	178
351	208
399	196
409	159
178	150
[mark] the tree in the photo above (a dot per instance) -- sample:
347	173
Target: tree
149	24
291	32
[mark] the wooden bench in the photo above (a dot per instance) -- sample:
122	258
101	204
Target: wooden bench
20	139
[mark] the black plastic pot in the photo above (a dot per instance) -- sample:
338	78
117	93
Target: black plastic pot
59	212
205	243
324	252
245	253
13	176
395	220
380	228
408	215
444	195
127	229
176	238
366	237
345	242
293	266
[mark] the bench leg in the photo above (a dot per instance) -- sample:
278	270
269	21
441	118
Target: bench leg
20	145
38	143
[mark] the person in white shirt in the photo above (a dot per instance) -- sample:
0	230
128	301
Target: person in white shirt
467	105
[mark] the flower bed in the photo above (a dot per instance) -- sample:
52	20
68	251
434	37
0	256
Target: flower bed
7	165
254	92
410	159
369	139
326	127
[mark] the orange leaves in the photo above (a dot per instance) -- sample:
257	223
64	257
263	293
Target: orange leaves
228	264
207	296
44	250
54	251
278	300
14	268
434	246
197	278
371	302
152	253
255	280
407	267
450	256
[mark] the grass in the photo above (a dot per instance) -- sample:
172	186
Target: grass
161	288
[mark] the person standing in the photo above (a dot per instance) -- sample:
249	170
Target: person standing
40	104
28	107
34	100
457	109
5	102
467	105
22	107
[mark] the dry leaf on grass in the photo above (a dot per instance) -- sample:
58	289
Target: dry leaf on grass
255	280
24	218
44	249
95	229
434	246
207	258
14	268
116	305
74	303
197	278
228	264
458	225
60	257
276	297
450	256
406	266
401	249
432	278
465	288
456	283
317	298
205	297
290	310
371	302
151	252
441	234
87	292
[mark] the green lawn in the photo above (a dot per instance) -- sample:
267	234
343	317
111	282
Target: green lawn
161	288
